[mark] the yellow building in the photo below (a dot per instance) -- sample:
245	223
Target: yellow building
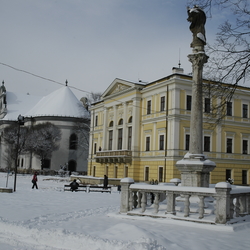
140	130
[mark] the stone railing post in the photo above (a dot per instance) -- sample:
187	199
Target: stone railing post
171	203
125	184
222	202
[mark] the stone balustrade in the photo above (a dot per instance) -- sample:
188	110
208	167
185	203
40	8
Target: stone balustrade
219	204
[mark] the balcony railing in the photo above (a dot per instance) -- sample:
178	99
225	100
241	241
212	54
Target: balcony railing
114	156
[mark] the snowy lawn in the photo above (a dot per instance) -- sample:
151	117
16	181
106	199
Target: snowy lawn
49	219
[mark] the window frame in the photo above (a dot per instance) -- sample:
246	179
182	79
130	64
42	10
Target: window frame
229	109
147	143
161	142
163	103
244	110
229	145
149	106
188	102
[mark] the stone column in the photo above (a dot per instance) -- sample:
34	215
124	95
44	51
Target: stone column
196	122
125	184
195	168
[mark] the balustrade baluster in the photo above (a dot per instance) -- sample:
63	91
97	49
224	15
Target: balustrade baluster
248	203
139	199
171	203
201	206
135	199
242	201
143	202
237	207
130	200
156	203
187	205
231	208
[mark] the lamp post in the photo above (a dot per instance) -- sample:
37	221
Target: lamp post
20	121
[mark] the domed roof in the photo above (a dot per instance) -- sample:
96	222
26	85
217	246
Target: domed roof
61	102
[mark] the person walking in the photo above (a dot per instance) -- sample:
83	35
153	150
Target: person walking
34	181
105	181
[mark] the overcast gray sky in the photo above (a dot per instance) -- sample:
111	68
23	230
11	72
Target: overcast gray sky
92	42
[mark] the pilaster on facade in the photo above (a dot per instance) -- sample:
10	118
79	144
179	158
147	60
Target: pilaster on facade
105	128
173	136
136	126
114	142
124	141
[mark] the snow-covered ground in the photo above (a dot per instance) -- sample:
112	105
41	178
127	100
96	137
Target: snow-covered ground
49	219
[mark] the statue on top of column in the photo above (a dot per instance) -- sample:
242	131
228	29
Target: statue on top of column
197	17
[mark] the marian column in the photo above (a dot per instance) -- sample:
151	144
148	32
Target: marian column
195	168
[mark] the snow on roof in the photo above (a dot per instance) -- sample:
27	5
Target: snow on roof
61	102
18	103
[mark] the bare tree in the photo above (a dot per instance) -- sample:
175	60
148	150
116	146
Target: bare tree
43	139
229	55
90	98
14	145
82	128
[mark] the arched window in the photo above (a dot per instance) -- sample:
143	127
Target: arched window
120	122
111	124
130	119
73	140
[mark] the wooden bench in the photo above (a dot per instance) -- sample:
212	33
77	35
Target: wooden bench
81	187
100	189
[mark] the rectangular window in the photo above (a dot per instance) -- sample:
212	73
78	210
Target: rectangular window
229	145
228	174
187	142
160	174
146	173
162	103
244	177
245	147
119	146
207	107
189	102
161	142
244	110
93	171
229	109
147	143
116	171
110	139
95	146
126	172
149	107
96	120
129	137
207	143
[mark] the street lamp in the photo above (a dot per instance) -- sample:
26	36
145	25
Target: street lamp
20	121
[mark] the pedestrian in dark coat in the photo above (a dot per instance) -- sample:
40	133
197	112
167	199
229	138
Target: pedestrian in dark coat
74	185
105	182
34	181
